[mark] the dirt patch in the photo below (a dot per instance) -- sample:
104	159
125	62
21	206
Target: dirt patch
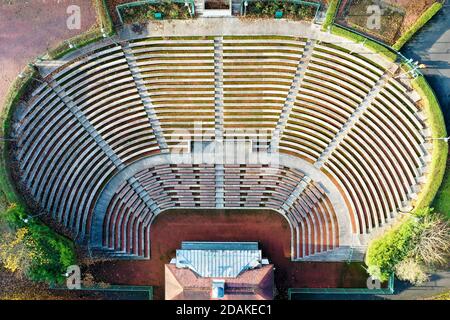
396	16
28	29
270	229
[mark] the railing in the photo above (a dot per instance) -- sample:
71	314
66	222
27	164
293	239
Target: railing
389	290
147	290
306	3
144	2
400	56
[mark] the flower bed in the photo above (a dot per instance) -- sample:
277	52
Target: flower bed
291	10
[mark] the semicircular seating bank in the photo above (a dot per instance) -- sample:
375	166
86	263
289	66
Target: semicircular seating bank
350	135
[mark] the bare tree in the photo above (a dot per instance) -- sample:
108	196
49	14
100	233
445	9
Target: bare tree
412	271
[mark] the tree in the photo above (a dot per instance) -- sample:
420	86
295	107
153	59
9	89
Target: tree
33	249
432	243
411	271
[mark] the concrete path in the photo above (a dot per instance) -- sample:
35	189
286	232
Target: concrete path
438	283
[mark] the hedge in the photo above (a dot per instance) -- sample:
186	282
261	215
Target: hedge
16	91
440	148
372	45
384	253
330	15
424	18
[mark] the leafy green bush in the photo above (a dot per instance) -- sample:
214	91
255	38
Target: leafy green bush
426	16
291	10
411	248
386	252
32	248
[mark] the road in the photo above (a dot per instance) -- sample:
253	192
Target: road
431	46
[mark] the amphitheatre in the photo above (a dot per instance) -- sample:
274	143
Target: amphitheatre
222	115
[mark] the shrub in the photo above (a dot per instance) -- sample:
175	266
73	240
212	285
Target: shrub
411	271
33	249
432	243
418	244
146	11
386	252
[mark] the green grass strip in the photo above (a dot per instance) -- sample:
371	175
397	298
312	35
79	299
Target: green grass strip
372	45
330	15
440	148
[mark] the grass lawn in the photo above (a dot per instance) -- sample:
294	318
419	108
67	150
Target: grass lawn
442	201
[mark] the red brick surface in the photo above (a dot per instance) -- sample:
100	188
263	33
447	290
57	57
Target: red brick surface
268	228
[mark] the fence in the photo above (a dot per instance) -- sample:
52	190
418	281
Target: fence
113	289
402	59
144	2
389	290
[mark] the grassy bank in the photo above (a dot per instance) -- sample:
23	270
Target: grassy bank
331	14
372	45
440	148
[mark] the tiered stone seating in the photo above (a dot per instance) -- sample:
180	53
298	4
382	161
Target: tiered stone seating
316	224
102	86
91	120
257	72
179	76
62	167
127	220
380	161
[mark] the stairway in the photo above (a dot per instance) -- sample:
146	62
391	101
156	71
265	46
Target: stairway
349	125
145	97
292	94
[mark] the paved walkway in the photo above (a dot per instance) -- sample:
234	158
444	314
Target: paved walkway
439	283
236	26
